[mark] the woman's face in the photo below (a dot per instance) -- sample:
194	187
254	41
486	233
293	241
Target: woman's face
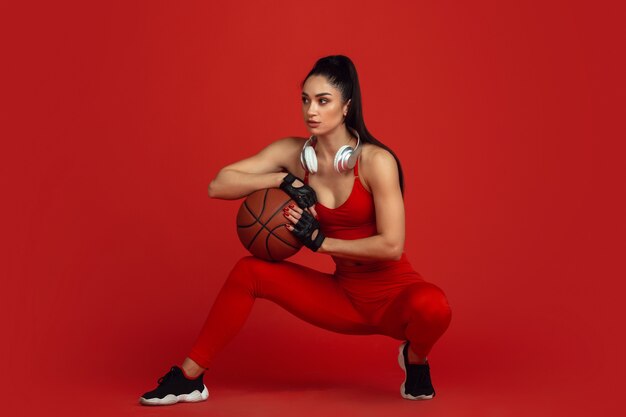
322	106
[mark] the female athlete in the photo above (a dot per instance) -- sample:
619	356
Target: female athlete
348	189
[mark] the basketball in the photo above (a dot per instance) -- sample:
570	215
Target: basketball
261	225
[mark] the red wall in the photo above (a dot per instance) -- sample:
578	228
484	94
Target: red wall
118	115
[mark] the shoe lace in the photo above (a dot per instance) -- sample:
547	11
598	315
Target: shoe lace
167	376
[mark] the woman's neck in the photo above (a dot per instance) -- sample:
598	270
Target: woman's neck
329	144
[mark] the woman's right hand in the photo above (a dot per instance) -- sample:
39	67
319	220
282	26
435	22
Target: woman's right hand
301	193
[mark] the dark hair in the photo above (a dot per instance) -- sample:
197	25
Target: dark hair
341	74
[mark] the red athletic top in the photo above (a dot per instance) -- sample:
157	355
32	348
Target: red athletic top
354	219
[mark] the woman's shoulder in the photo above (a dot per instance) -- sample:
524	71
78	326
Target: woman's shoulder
376	162
285	152
376	156
285	146
290	142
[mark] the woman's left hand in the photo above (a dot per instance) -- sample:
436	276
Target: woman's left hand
304	226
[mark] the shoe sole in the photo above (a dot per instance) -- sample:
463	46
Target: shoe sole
169	399
401	363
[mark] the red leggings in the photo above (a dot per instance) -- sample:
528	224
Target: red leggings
387	298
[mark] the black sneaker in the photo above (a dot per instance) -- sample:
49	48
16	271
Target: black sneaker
417	384
175	387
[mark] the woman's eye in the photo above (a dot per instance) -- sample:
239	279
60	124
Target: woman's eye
322	101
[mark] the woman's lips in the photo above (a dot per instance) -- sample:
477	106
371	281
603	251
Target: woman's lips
313	124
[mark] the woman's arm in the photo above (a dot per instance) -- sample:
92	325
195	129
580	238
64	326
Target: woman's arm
388	243
369	248
231	184
260	171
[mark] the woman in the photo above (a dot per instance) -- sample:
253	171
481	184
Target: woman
348	189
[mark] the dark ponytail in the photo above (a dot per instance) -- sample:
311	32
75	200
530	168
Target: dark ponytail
341	74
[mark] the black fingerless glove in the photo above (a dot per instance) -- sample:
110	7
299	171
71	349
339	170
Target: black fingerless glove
304	229
303	196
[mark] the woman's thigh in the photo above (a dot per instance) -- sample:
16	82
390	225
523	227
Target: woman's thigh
310	295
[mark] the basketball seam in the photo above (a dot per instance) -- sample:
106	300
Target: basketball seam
258	219
264	225
267	241
243	226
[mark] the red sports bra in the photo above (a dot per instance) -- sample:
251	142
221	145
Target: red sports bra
354	219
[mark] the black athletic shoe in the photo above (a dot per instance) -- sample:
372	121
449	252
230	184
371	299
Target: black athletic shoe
417	384
175	387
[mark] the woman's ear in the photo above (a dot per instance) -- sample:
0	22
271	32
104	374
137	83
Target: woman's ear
346	107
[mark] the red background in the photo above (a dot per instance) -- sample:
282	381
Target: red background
117	115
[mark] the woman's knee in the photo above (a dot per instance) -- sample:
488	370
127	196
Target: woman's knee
429	302
244	271
247	263
249	271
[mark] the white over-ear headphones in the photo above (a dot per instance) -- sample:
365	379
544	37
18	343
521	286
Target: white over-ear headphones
345	158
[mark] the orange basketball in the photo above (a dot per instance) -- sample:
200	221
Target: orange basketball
261	225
